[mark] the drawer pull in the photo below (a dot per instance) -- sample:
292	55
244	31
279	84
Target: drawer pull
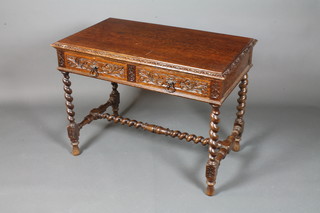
170	86
94	71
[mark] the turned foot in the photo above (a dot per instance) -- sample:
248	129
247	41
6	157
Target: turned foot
211	175
236	146
75	150
210	190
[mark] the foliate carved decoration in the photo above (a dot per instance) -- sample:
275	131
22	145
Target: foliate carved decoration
134	59
131	72
215	90
60	54
172	82
96	67
115	99
139	60
210	172
73	133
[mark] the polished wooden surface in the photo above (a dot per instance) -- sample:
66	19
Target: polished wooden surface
188	63
194	48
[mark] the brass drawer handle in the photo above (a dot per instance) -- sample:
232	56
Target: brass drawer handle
94	71
170	86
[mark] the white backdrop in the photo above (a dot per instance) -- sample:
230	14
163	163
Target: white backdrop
286	65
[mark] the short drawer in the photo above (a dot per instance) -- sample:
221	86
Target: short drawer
152	78
173	82
95	66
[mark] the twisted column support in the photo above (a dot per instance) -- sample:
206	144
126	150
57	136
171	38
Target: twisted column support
213	162
72	128
239	122
151	128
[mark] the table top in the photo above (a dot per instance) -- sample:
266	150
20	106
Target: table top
159	45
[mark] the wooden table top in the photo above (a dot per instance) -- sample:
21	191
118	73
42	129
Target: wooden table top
159	45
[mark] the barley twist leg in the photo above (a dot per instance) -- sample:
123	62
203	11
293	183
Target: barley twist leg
213	162
115	99
72	128
239	122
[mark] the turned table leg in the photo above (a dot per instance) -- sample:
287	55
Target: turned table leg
73	128
239	122
213	163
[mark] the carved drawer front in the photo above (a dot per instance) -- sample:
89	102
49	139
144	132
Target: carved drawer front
95	66
173	82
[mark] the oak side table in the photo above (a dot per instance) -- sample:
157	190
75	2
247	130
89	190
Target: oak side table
193	64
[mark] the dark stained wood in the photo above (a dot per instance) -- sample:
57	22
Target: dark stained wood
165	57
188	63
194	48
145	126
239	122
213	163
72	128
